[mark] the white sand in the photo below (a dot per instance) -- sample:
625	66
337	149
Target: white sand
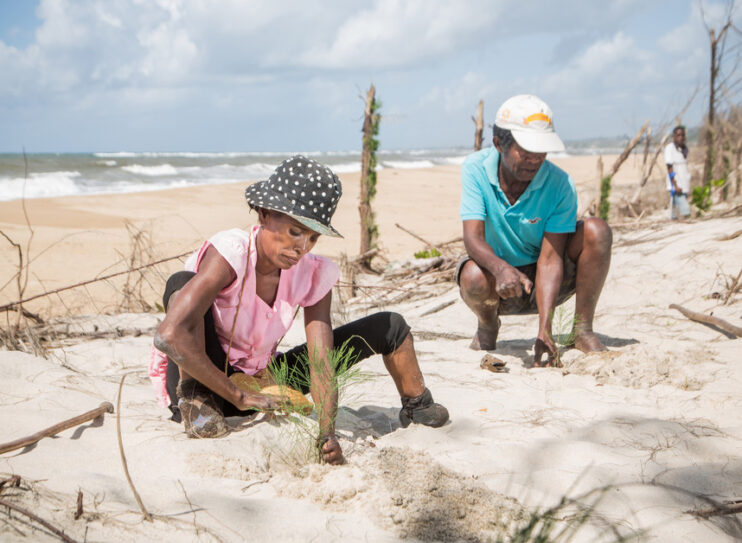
659	418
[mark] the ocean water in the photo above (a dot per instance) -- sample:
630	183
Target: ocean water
53	175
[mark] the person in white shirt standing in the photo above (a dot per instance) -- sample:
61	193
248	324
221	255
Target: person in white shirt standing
678	176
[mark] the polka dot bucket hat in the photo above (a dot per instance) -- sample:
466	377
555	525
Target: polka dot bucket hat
304	190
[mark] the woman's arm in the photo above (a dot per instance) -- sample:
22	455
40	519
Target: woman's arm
181	334
322	375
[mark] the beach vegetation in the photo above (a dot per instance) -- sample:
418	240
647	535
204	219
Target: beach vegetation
701	196
428	253
604	207
562	522
302	431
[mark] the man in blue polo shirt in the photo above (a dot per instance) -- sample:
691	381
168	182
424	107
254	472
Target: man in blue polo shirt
526	250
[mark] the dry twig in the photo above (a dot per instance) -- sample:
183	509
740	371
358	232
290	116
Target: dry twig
709	319
9	306
732	508
56	531
145	513
105	407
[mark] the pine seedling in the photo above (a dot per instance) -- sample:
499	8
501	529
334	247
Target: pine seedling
564	324
304	432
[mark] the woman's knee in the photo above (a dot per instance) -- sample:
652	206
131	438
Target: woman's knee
397	331
174	283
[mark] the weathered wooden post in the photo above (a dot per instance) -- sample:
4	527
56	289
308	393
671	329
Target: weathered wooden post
479	124
369	230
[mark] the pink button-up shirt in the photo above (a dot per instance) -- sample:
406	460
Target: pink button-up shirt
259	327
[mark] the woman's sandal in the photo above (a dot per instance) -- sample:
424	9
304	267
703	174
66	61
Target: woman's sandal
201	416
422	410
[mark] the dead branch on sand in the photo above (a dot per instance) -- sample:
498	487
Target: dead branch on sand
709	319
9	306
733	286
105	407
729	508
730	236
56	531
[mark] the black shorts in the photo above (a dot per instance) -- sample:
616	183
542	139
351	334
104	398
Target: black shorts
380	333
526	303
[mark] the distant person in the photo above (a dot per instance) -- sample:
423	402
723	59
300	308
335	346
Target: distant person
678	176
237	298
526	250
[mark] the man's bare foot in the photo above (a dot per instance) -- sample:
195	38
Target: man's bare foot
485	339
588	342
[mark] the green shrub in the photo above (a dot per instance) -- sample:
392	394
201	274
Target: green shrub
428	253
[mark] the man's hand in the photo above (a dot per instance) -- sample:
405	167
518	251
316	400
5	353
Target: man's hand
545	346
510	283
330	451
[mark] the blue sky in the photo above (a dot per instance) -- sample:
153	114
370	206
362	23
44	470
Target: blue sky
267	75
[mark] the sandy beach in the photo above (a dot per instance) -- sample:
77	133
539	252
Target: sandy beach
639	435
77	238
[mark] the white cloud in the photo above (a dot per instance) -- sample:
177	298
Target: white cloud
604	67
396	33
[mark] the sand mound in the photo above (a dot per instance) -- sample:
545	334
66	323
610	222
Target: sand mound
409	493
644	366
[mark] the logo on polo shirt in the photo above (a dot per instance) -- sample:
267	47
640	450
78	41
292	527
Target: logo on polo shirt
534	221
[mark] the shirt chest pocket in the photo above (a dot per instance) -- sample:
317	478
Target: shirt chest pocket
531	230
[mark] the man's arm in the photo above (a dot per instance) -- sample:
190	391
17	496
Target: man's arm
509	282
549	273
323	384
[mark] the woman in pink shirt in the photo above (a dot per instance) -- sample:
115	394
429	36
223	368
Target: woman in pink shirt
237	298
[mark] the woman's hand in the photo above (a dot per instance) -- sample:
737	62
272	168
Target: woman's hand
261	402
330	451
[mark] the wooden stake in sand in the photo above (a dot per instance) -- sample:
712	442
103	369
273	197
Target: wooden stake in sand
105	407
479	126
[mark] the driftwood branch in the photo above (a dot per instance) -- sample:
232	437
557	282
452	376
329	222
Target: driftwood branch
627	150
648	169
718	510
364	257
709	319
425	241
731	236
733	287
437	308
105	407
56	531
451	241
11	305
145	513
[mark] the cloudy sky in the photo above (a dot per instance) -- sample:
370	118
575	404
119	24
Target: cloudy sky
285	75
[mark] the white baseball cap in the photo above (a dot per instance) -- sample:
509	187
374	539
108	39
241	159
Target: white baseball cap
530	121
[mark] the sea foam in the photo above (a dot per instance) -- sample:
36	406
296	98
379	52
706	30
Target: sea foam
39	185
154	171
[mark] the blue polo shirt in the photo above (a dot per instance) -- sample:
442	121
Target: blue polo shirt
515	232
